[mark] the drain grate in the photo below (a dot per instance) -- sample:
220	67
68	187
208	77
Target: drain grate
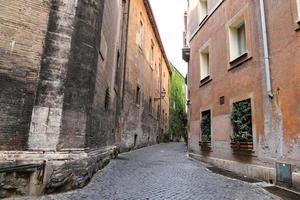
230	174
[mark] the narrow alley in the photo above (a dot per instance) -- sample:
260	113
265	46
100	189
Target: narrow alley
161	172
149	99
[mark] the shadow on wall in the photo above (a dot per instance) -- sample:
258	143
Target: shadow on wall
15	113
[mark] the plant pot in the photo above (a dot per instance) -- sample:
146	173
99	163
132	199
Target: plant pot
206	146
242	146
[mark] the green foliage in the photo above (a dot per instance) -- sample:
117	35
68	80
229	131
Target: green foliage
241	138
178	115
205	127
241	120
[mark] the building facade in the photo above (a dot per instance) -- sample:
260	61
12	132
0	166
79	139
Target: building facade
60	66
79	81
145	106
178	114
243	81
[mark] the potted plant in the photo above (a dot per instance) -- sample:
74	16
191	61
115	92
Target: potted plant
205	142
241	120
242	141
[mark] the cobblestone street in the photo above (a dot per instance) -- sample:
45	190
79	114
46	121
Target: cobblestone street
161	172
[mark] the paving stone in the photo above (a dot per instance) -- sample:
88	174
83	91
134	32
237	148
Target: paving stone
161	172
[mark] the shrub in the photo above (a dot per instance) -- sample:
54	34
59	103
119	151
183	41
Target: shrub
241	119
206	127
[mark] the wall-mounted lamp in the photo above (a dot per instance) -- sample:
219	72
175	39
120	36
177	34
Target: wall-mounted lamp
188	102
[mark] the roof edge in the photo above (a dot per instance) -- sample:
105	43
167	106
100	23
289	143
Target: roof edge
156	32
173	66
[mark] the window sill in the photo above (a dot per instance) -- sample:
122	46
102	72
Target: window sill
205	81
194	33
239	60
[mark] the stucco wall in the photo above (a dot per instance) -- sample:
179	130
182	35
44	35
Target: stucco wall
138	120
285	72
275	121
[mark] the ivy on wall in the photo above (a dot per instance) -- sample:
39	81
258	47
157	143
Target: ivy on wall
241	119
178	115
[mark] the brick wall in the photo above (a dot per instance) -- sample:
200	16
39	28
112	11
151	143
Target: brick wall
23	27
55	76
106	87
78	109
140	123
47	112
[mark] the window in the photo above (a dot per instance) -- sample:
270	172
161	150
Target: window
152	54
237	39
241	36
298	9
138	96
150	105
241	119
135	140
206	126
158	112
203	10
204	64
141	35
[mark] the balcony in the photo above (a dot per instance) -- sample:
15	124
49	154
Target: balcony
186	54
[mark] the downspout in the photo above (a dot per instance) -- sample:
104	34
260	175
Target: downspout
266	49
267	68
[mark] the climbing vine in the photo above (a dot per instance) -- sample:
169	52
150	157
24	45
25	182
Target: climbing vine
178	115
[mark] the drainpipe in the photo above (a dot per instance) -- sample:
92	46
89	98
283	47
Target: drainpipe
266	49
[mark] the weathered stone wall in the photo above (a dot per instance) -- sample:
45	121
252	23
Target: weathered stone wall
62	82
140	122
81	75
14	183
56	171
47	111
106	83
62	176
23	27
57	69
